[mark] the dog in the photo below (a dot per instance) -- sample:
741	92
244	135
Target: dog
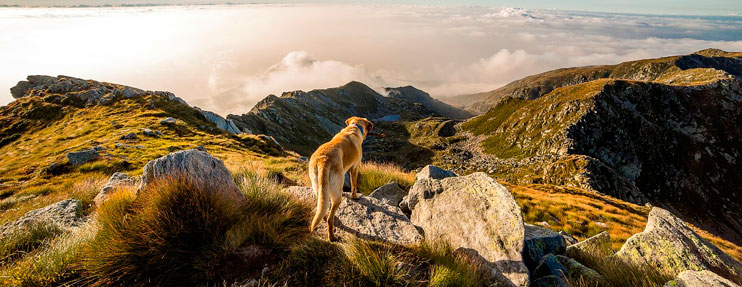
327	168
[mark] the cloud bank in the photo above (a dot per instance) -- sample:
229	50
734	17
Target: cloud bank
227	58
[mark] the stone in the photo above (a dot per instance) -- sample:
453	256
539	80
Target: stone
581	273
196	165
549	281
220	122
62	214
121	145
82	156
365	218
597	246
151	133
116	180
690	278
568	238
433	172
390	193
540	241
129	136
549	265
475	212
671	247
168	121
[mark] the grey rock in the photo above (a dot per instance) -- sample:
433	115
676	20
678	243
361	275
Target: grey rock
62	214
582	273
82	156
116	180
568	238
121	145
129	136
151	133
168	121
366	218
473	212
549	265
433	172
670	246
690	278
538	242
390	194
598	246
196	165
221	123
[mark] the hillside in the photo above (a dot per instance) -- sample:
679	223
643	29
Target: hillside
670	136
700	66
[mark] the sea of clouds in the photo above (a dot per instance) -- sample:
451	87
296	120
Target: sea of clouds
227	58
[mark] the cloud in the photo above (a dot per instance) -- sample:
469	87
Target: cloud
227	58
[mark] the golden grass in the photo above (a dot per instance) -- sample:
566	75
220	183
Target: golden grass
374	175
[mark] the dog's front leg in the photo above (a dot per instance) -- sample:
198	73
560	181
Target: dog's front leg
353	182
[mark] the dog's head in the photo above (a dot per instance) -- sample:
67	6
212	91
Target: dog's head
364	123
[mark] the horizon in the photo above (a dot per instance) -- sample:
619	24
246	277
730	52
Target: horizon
225	58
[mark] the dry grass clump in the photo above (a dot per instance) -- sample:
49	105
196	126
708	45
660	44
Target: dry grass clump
619	273
373	175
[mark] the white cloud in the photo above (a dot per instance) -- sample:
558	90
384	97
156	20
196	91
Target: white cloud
226	58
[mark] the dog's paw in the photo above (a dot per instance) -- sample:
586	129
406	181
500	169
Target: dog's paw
357	196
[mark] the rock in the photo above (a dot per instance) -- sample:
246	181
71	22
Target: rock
82	156
221	123
54	168
168	121
581	273
196	165
121	145
568	238
98	148
366	218
670	246
63	214
390	194
549	265
151	133
690	278
549	281
474	212
129	136
434	172
302	159
538	242
116	180
598	246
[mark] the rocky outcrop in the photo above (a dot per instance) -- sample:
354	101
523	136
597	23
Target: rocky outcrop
704	278
195	165
414	95
472	212
63	214
221	123
539	242
433	172
168	121
115	181
390	194
365	218
597	246
82	156
670	246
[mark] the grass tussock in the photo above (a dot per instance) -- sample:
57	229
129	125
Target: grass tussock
620	273
21	240
448	268
178	232
374	175
377	263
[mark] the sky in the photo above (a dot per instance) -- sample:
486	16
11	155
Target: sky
225	58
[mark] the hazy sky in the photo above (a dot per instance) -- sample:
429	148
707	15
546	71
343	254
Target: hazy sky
226	58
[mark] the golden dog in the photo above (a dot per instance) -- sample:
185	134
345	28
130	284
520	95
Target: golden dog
328	165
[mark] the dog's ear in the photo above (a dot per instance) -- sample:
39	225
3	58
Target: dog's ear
347	122
370	125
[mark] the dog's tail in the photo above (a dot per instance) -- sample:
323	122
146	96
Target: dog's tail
322	196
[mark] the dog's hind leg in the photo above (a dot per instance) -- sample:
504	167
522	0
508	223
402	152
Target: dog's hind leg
336	200
353	182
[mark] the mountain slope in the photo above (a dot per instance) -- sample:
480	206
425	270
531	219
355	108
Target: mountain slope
301	121
672	70
674	141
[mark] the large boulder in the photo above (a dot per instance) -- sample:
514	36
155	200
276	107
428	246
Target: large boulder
433	172
540	241
194	164
389	193
597	246
549	265
690	278
473	212
116	180
82	156
62	214
366	218
670	246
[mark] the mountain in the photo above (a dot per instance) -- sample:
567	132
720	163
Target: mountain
670	136
671	70
302	121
